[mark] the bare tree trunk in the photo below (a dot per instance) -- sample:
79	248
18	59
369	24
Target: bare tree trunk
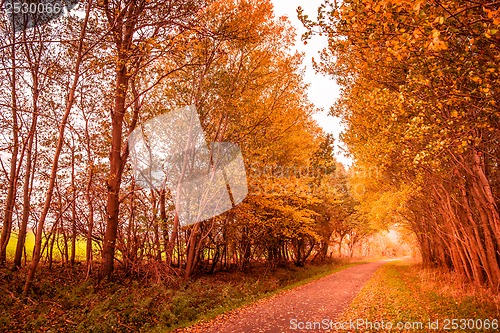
11	193
116	162
50	249
21	238
190	260
73	209
34	60
90	204
163	218
123	31
172	240
156	226
55	161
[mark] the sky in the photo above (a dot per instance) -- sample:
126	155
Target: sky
323	91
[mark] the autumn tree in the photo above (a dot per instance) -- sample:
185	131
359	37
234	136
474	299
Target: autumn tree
419	97
139	33
83	82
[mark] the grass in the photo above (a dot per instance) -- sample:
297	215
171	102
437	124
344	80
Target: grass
409	298
62	303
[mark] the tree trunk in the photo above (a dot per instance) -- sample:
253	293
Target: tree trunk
55	161
12	186
191	258
21	238
116	163
164	221
172	240
123	31
73	209
90	204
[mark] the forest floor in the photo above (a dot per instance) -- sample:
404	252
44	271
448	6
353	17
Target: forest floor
314	302
399	296
404	297
61	301
376	296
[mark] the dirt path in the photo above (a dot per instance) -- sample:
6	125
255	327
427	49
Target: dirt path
323	299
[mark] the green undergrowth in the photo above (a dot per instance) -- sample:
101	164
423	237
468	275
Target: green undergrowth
403	297
61	302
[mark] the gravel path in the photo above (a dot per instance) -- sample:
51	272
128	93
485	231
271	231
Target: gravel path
322	299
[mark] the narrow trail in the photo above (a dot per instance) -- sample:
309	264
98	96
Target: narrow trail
323	299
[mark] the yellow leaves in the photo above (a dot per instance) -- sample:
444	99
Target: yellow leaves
436	43
417	120
462	147
435	33
417	4
419	158
417	33
452	86
477	79
439	20
490	32
493	15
